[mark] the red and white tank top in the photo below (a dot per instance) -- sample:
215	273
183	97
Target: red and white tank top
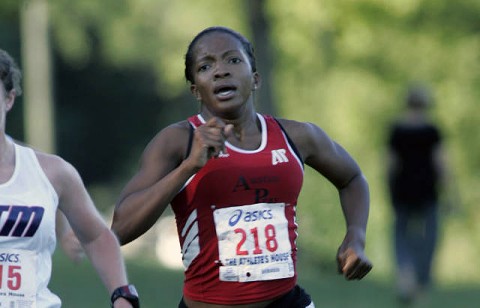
236	221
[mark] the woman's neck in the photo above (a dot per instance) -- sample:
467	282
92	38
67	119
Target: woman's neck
243	120
245	126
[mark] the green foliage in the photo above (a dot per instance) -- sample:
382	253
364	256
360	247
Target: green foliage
345	65
9	8
150	32
342	64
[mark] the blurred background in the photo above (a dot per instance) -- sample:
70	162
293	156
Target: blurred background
102	77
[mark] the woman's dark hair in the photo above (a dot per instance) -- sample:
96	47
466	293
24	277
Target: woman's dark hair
247	46
10	74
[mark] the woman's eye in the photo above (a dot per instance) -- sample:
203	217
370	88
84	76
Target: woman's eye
203	68
235	60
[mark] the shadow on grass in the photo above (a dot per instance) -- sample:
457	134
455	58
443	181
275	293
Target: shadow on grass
79	287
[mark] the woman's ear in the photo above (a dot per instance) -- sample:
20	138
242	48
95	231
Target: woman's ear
195	92
10	99
257	81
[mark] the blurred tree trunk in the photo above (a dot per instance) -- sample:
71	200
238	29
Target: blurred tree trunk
264	55
36	56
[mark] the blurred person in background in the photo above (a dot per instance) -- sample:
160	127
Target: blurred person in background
233	177
33	186
416	172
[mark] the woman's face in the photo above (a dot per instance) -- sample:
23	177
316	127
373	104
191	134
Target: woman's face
223	77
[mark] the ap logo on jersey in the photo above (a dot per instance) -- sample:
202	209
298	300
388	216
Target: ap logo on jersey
278	156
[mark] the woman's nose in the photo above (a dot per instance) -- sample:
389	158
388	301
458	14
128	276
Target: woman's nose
221	72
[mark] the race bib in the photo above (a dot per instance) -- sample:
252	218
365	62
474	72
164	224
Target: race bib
253	242
17	278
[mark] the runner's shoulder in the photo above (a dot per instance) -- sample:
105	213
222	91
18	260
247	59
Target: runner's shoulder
171	140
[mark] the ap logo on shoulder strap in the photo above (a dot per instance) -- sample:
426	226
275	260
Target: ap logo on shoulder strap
278	156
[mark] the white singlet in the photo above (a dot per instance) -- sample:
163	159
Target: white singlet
28	203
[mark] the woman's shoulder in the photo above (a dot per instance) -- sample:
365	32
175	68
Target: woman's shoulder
173	133
60	173
290	124
299	130
52	163
171	141
308	137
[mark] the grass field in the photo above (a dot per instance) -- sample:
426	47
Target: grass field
79	287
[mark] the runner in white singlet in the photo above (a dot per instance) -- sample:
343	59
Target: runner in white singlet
33	185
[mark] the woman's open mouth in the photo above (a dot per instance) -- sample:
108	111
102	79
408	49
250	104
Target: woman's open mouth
225	92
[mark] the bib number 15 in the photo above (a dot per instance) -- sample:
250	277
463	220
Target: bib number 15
10	277
269	238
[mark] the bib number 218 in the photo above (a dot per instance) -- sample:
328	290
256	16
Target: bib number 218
268	238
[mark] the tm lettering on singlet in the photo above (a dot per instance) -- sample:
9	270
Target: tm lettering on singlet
253	242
